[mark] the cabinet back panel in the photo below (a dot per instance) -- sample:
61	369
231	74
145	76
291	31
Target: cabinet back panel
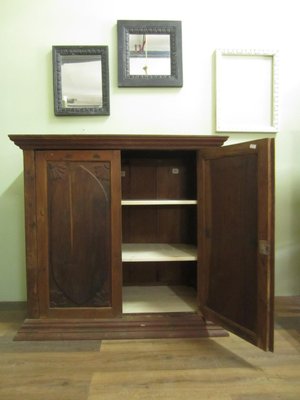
158	175
159	224
159	273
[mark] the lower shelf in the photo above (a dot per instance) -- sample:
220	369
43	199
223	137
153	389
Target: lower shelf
158	299
158	252
130	326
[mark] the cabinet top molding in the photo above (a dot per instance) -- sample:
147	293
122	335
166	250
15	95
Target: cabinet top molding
110	142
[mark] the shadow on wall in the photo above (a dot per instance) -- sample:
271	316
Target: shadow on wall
287	254
288	217
295	203
12	242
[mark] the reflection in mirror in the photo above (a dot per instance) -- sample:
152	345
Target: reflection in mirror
149	53
81	85
81	81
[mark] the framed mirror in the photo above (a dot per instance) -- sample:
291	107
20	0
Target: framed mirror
81	80
149	53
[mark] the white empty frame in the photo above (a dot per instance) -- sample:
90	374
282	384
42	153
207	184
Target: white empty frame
246	91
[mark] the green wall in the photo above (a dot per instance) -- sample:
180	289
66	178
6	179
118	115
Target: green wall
28	30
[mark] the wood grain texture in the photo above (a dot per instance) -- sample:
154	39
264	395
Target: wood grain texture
77	237
79	196
72	142
130	326
209	369
237	190
78	233
31	234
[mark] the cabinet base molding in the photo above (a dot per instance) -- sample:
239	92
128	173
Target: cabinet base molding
130	326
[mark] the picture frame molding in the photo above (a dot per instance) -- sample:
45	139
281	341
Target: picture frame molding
58	51
172	28
273	125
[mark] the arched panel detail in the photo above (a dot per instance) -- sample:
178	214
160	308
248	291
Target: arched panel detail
79	196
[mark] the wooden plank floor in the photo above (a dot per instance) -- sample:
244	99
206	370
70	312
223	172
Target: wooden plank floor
186	369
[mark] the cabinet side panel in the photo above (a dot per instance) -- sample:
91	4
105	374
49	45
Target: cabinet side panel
79	233
31	234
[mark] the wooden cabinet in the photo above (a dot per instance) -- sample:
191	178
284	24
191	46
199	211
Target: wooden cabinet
112	220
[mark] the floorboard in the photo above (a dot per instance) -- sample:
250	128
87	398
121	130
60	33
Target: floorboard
207	368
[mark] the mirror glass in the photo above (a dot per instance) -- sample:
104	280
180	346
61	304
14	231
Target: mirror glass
149	55
81	81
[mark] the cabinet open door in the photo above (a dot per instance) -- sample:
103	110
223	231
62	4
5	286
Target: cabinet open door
236	239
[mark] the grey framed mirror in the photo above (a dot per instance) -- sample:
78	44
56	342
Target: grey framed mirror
149	53
80	80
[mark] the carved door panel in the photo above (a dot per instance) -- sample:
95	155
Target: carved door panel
79	239
236	251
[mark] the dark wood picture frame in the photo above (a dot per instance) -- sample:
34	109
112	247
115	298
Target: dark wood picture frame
77	54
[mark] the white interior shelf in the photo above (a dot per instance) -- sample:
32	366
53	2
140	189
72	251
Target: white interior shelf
151	252
148	202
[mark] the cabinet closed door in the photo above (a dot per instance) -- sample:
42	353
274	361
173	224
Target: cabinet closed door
237	238
78	233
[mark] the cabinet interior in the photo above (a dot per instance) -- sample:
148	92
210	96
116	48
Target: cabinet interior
159	231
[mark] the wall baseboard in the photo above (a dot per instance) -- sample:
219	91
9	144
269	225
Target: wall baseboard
13	305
